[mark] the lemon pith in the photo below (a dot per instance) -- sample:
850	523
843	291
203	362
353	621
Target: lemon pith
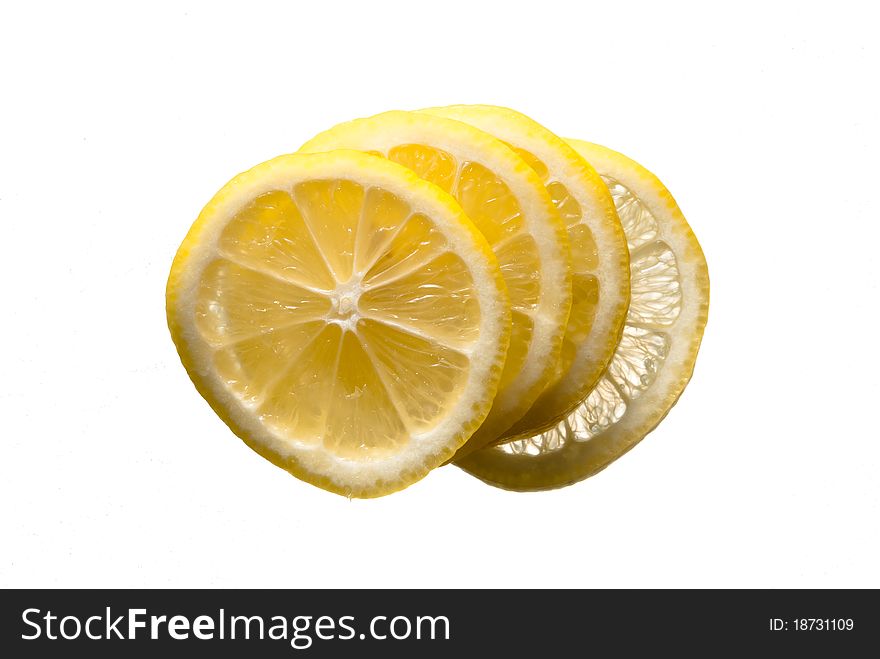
508	203
343	317
599	256
657	351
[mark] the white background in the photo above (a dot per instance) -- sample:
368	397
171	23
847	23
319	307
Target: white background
118	124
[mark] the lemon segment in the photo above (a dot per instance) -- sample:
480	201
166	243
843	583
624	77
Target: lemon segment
656	354
599	258
511	208
343	317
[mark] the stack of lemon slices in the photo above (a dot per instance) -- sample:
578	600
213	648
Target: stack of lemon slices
451	284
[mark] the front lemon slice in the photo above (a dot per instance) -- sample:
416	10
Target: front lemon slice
508	203
656	355
343	317
599	258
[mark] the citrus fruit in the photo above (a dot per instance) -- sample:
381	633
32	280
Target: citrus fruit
508	203
599	258
656	355
343	317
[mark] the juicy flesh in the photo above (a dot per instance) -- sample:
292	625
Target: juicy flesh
494	209
584	262
654	308
339	316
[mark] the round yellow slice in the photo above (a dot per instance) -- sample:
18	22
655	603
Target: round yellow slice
343	317
599	258
655	358
508	203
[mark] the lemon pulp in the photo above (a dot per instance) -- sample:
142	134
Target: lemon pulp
337	318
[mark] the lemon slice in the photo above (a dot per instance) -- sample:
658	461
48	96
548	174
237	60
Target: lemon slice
656	355
508	203
599	258
343	317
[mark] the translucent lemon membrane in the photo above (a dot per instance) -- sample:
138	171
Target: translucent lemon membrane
339	316
654	306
